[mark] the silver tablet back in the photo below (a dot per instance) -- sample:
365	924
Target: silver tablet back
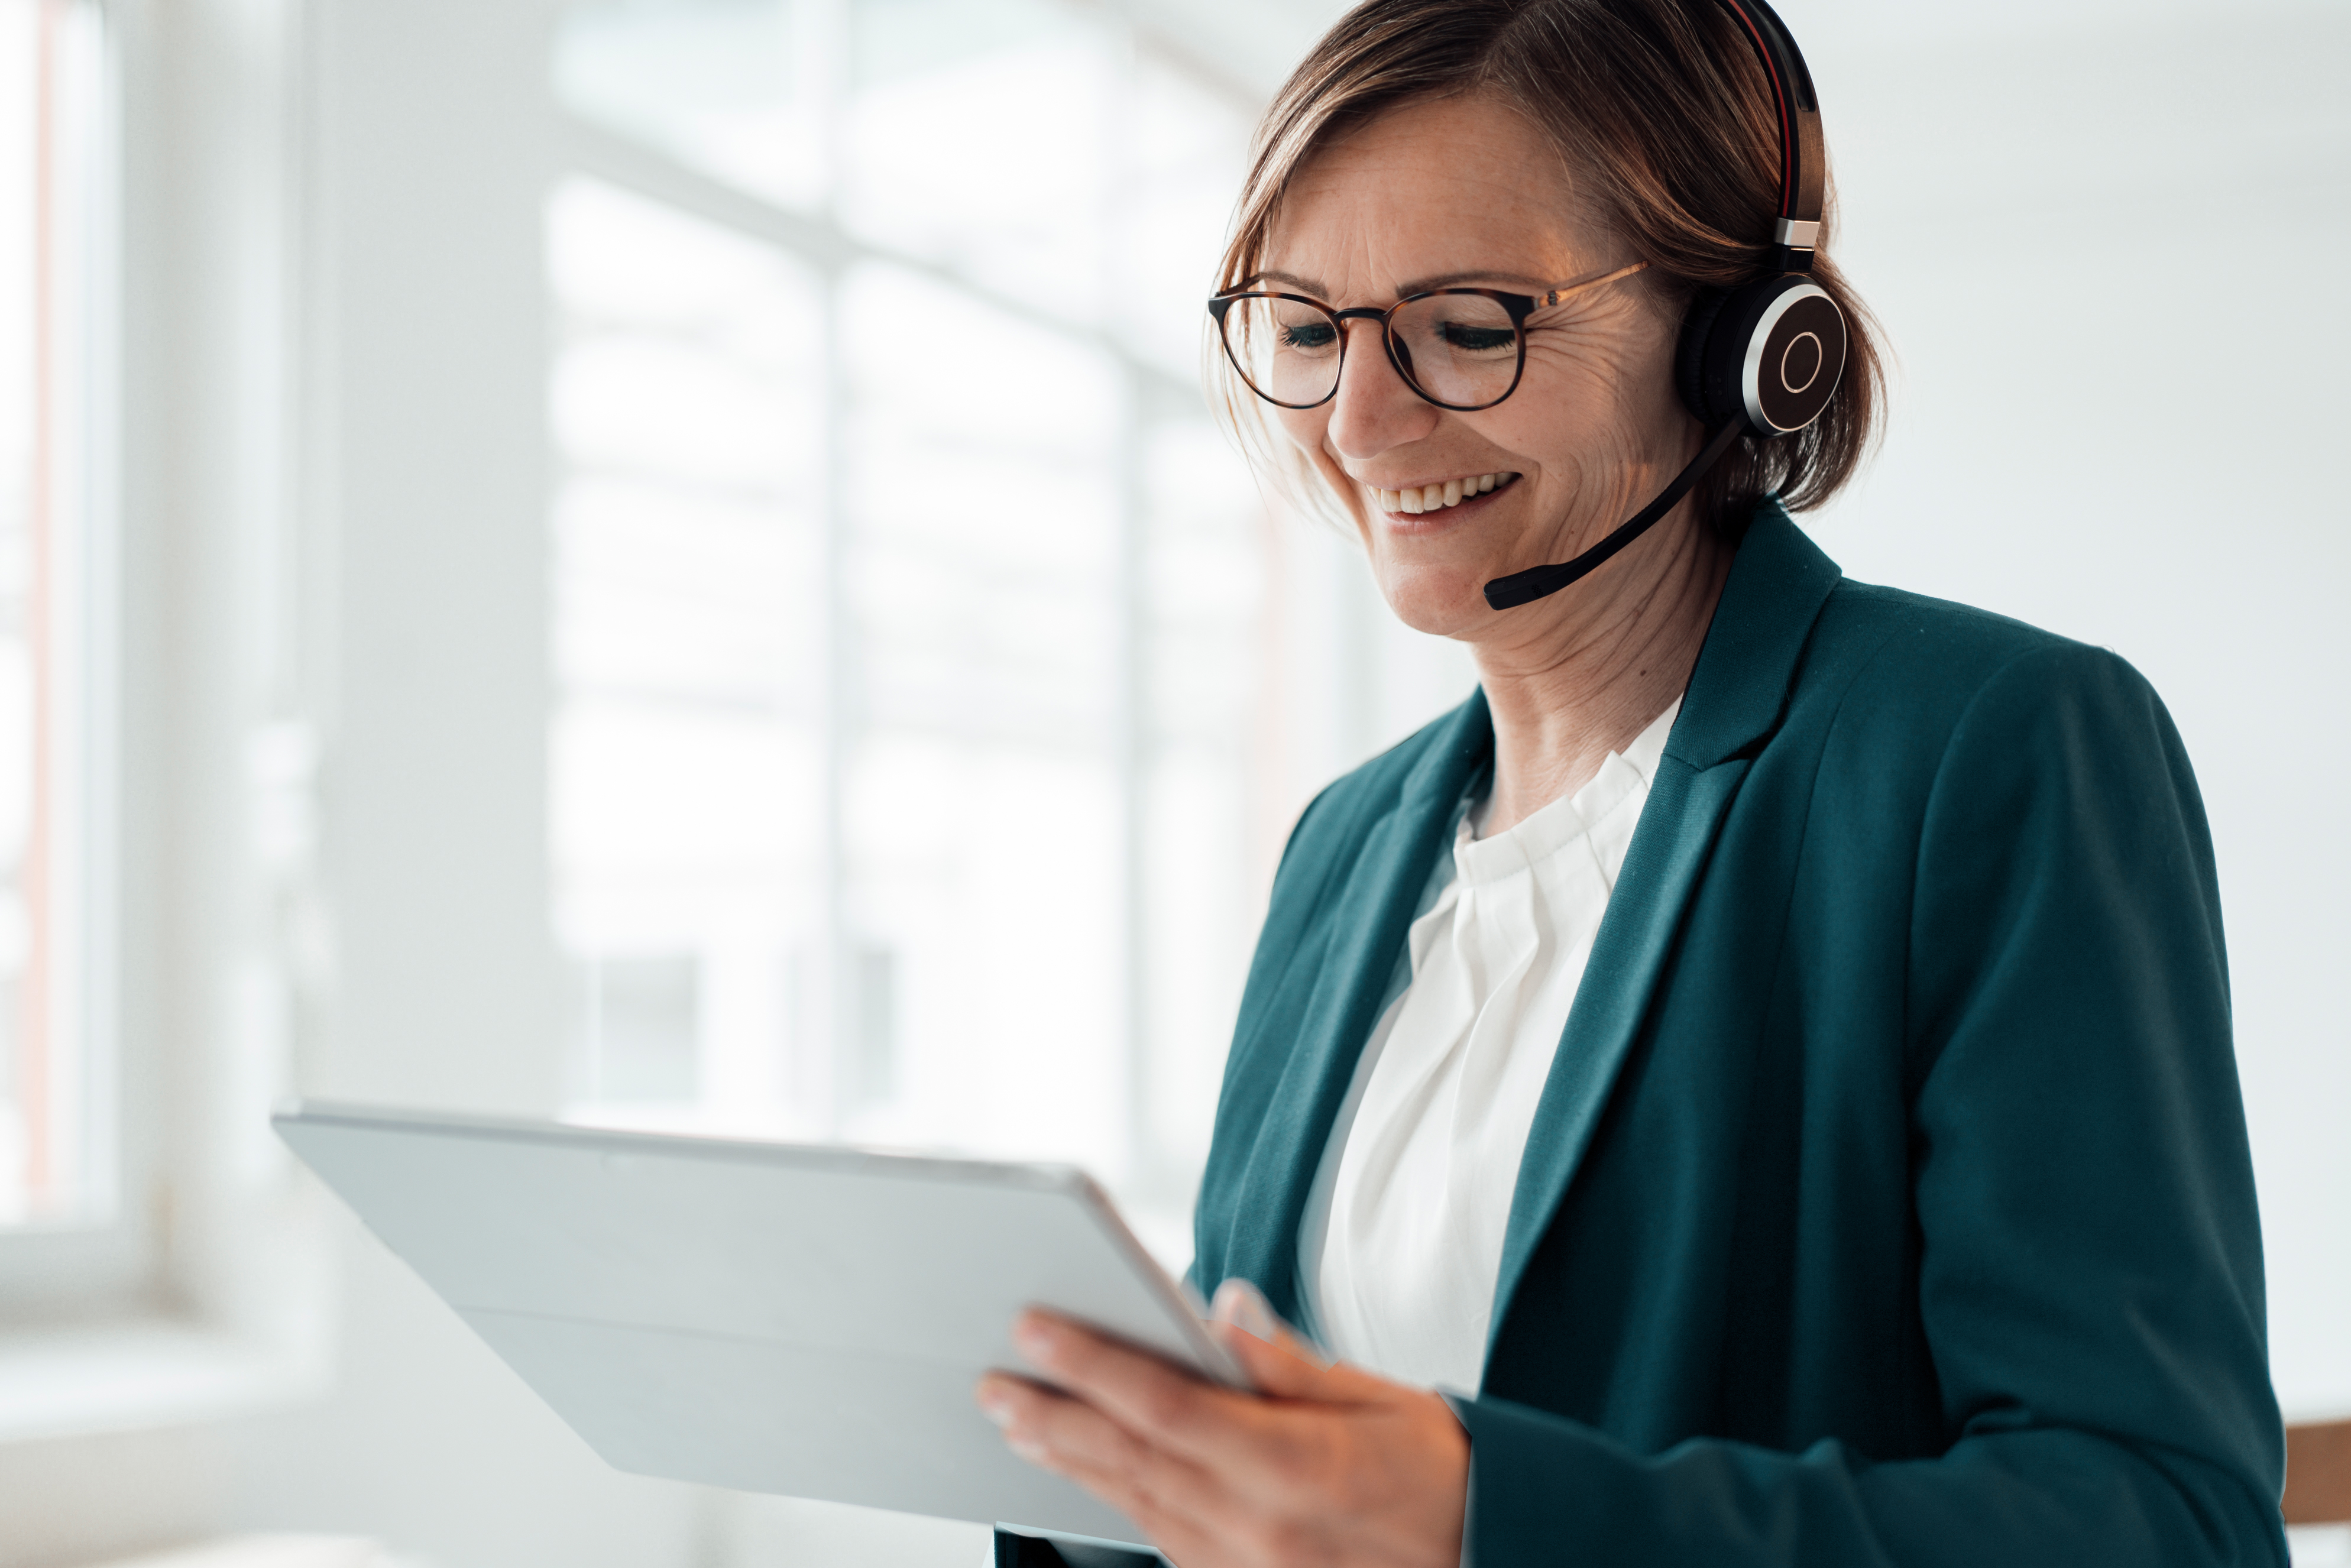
776	1318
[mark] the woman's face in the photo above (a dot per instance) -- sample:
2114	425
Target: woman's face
1463	191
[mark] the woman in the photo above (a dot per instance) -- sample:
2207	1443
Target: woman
1766	1056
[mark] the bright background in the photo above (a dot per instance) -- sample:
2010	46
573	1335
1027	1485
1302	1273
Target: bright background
674	571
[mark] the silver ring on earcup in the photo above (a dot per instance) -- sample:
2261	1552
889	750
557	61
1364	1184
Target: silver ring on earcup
1794	360
1771	353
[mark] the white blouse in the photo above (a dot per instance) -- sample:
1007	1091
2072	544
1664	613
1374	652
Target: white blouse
1401	1244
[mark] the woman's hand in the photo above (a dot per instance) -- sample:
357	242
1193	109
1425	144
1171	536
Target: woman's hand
1325	1465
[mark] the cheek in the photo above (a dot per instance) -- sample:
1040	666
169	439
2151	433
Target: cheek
1549	438
1577	393
1575	421
1304	429
1303	426
1607	391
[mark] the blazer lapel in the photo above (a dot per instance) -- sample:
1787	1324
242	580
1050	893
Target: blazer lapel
1778	584
1369	917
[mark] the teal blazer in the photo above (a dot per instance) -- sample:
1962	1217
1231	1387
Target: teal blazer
1889	1200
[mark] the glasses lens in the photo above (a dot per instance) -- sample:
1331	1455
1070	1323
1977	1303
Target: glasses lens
1287	352
1458	349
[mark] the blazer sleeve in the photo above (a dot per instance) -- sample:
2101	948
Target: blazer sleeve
2090	1284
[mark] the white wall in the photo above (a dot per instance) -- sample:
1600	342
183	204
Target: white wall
2108	259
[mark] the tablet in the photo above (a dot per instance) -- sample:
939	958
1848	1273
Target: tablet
770	1317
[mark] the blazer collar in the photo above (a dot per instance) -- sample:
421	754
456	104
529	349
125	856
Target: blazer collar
1747	666
1737	692
1373	909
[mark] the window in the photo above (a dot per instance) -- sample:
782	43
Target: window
56	1110
912	749
688	746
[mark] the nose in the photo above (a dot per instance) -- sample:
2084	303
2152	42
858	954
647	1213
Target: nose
1373	410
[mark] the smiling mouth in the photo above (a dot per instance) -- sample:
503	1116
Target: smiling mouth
1436	497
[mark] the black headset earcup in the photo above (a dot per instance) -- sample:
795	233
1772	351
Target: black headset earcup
1774	354
1689	353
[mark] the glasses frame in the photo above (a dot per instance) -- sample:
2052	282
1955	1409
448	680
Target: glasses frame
1517	307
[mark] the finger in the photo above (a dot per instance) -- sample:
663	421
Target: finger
1174	1500
1050	1428
1180	1537
1282	1372
1165	1495
1241	1305
1272	1368
1136	1389
1018	1408
1068	1435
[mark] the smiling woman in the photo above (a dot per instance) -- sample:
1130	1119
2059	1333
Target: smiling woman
1754	1084
1677	165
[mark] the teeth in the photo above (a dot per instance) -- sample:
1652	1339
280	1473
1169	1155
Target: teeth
1433	497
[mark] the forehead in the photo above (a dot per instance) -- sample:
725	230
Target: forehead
1428	189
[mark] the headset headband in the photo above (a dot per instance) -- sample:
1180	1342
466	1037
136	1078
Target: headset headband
1761	360
1802	160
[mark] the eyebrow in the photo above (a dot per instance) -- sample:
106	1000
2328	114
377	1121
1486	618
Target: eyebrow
1418	286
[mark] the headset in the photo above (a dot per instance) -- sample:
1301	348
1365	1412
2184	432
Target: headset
1761	360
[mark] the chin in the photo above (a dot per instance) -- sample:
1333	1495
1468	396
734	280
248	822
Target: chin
1438	600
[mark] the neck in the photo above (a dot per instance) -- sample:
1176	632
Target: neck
1593	665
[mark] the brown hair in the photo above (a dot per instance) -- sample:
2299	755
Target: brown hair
1663	110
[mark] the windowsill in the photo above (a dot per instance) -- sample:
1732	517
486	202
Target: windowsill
142	1374
267	1552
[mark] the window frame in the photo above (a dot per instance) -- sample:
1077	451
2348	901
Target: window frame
101	1254
199	797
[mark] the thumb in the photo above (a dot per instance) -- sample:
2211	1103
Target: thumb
1296	1370
1278	1359
1241	1304
1277	1370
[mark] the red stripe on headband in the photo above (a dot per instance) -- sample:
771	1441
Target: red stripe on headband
1779	101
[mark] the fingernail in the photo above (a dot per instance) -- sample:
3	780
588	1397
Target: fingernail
1241	1305
996	1407
1032	1452
1034	1337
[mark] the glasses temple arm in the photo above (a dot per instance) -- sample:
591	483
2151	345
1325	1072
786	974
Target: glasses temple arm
1559	291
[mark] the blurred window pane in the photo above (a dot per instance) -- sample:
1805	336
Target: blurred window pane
909	604
982	133
720	85
56	1117
640	1029
1186	145
686	753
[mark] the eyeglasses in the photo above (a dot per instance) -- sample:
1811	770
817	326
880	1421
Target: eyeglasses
1462	349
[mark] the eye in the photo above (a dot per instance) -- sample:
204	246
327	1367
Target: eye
1471	340
1308	335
